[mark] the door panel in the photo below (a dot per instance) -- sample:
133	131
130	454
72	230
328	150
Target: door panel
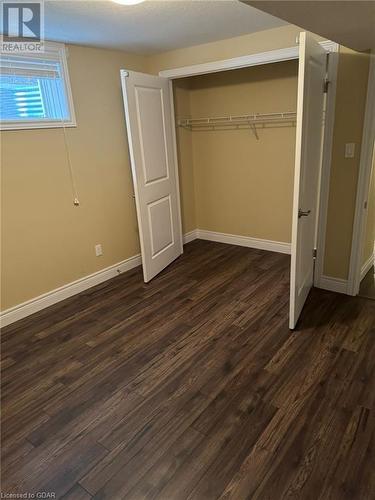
151	135
309	140
161	224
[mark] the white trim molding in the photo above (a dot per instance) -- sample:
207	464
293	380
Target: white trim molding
244	241
367	266
326	162
333	284
271	56
48	299
57	295
190	236
360	217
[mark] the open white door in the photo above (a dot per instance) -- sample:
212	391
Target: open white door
151	135
309	135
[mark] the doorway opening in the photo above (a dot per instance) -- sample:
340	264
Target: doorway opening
367	284
361	259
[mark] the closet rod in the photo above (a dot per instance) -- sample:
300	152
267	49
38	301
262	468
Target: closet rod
210	123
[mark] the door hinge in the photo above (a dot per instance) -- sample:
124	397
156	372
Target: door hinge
326	85
315	253
365	205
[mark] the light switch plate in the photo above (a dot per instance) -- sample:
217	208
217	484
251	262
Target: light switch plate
349	150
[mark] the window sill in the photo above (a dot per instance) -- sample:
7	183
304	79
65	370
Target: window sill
36	125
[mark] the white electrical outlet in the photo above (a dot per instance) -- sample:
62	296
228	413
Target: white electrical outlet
98	250
349	150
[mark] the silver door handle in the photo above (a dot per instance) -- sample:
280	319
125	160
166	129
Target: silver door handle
301	213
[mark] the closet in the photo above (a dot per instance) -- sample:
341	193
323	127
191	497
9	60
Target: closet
236	146
231	155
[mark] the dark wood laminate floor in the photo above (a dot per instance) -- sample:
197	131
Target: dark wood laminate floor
367	288
193	387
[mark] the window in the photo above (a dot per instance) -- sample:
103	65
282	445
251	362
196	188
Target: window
35	90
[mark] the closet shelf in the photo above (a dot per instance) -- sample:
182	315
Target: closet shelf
236	121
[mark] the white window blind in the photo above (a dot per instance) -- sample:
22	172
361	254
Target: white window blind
35	91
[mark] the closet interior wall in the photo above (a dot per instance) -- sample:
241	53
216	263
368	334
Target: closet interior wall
230	181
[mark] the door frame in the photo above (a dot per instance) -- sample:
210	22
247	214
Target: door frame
360	217
269	57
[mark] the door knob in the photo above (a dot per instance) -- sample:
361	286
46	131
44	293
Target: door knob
301	213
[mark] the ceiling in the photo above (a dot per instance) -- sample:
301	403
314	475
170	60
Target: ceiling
153	26
350	23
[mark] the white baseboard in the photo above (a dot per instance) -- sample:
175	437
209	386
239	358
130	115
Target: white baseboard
367	266
190	236
244	241
333	284
342	286
48	299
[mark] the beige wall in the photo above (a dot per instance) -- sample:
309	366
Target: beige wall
368	249
244	186
349	115
46	241
253	43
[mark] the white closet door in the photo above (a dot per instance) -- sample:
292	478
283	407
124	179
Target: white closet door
310	105
151	135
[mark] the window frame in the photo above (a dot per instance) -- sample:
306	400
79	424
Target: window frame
60	52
